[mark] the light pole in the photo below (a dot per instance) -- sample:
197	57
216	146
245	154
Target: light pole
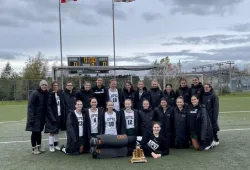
113	19
60	32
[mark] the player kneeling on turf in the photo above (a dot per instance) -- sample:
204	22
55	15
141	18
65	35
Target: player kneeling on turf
76	128
200	126
153	143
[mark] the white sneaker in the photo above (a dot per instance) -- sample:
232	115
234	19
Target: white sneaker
58	148
216	143
51	149
210	146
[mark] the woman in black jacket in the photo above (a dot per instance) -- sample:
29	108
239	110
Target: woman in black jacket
183	91
129	93
76	131
85	95
146	115
37	111
169	95
164	115
129	119
200	126
55	116
153	142
93	120
181	125
211	102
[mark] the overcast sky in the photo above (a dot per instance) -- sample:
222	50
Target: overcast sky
195	31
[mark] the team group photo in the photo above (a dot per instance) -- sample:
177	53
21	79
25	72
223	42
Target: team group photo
152	118
124	84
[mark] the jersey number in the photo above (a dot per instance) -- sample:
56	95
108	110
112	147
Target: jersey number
130	122
94	120
114	100
111	124
80	123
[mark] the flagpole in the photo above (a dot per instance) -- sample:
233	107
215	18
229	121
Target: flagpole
113	18
60	30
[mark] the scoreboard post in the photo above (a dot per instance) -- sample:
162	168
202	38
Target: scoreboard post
81	60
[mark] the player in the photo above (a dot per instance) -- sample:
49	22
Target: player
85	95
115	95
129	93
111	121
129	119
37	111
200	126
146	115
183	91
155	94
211	102
54	116
196	88
93	120
153	142
76	131
164	115
141	94
170	95
181	126
100	93
69	99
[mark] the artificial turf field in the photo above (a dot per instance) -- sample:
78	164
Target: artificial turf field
232	153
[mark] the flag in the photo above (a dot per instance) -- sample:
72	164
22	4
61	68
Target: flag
124	0
64	1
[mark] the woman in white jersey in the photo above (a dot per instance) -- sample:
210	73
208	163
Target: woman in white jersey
93	119
54	116
76	131
129	119
111	121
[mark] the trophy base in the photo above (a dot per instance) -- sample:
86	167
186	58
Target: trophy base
138	160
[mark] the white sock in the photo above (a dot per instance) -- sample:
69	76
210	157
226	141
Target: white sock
56	138
51	140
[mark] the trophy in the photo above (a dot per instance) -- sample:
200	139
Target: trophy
138	155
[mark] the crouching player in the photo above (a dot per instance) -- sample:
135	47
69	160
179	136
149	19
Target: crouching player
153	142
76	128
200	126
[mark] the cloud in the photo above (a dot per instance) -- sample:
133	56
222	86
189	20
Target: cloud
149	16
210	40
243	27
25	12
202	7
234	53
7	55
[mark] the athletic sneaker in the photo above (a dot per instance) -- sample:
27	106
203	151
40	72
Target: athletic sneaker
40	149
216	143
63	149
35	151
51	149
58	148
210	146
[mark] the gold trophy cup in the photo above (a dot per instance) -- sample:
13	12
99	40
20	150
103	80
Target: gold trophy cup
138	156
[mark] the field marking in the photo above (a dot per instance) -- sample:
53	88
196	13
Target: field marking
231	130
236	112
18	121
27	141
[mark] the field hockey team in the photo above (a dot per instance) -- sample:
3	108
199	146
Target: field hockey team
161	119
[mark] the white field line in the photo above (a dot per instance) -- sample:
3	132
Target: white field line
27	141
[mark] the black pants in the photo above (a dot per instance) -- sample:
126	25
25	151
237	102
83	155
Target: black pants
36	138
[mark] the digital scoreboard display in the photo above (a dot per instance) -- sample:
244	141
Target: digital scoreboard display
101	61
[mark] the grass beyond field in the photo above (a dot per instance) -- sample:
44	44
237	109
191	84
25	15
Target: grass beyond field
232	153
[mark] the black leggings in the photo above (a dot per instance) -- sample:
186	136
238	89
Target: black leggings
36	138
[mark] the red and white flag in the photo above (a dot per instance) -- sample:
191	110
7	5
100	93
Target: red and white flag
64	1
124	0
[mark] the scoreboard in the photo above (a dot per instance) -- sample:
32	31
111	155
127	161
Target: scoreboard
79	60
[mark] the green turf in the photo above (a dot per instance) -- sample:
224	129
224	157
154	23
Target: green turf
232	153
